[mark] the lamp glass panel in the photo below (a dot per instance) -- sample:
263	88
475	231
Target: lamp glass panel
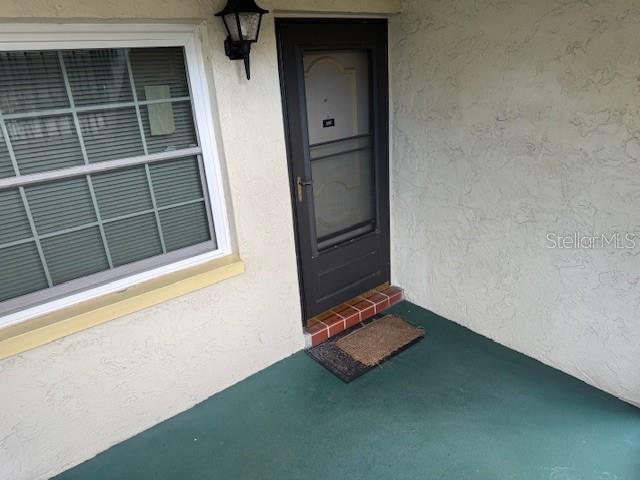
249	23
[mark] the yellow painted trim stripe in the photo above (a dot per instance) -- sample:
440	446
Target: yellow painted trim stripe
47	328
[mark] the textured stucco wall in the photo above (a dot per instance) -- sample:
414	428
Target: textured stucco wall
66	401
514	119
47	10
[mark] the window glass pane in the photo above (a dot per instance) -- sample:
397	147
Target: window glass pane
6	168
98	76
337	92
76	254
122	192
185	225
76	108
176	181
179	131
20	271
133	239
45	143
60	205
31	81
111	134
159	66
15	224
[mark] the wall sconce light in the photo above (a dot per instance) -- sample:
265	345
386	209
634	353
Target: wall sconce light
242	20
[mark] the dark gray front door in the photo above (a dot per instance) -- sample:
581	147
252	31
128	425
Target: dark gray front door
335	96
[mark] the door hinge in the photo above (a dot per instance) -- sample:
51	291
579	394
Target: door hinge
301	184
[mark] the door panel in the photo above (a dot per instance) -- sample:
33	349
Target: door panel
334	83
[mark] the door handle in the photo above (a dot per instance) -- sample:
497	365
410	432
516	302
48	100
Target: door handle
301	184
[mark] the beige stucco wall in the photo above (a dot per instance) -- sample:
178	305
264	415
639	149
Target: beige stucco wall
66	401
175	10
514	119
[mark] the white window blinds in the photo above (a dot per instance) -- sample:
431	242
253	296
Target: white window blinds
100	169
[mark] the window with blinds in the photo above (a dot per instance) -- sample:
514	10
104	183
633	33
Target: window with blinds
101	171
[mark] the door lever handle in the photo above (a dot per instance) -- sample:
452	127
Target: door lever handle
301	184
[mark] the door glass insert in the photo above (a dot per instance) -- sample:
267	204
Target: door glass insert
337	89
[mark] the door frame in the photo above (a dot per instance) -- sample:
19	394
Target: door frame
382	138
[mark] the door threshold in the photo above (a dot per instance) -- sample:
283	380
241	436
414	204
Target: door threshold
347	314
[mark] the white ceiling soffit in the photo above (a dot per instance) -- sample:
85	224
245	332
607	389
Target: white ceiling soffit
329	8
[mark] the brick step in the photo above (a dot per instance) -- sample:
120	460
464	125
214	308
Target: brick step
349	313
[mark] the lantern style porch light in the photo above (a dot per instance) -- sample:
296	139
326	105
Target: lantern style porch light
242	20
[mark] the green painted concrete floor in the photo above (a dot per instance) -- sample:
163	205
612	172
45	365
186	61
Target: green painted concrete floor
456	406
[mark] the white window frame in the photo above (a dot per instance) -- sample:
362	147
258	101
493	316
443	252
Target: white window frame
95	36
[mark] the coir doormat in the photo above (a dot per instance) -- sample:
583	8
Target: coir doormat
365	346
